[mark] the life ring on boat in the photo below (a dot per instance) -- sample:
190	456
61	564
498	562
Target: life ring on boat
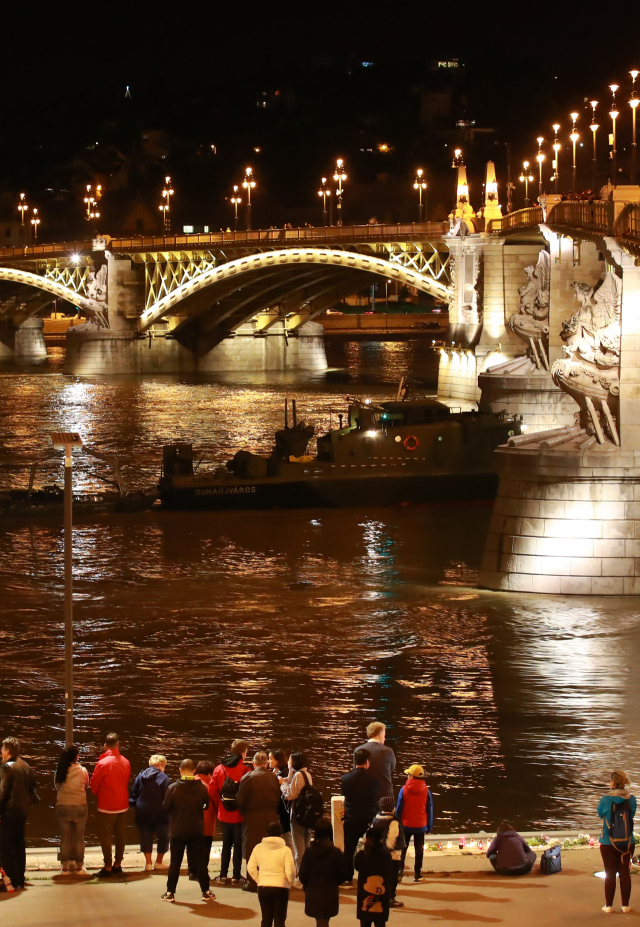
411	443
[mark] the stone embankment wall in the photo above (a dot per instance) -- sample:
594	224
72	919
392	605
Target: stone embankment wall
25	344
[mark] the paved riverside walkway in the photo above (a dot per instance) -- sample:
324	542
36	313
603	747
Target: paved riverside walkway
458	889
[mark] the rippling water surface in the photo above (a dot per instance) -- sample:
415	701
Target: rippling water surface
298	628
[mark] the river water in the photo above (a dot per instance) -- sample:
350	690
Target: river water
298	628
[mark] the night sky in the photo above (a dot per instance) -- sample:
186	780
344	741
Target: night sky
196	74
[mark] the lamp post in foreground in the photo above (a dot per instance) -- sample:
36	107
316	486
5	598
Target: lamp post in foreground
633	103
67	441
556	163
526	177
324	192
574	138
235	200
594	129
339	177
249	184
613	140
540	158
420	184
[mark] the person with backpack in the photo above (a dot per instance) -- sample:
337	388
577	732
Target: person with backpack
509	853
322	871
391	828
223	790
146	798
307	806
375	878
278	763
415	811
617	809
258	798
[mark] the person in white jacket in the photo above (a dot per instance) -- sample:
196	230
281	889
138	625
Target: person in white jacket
271	866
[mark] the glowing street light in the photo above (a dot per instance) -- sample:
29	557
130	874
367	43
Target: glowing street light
22	206
420	184
165	205
526	177
612	138
594	129
90	204
35	222
249	184
633	103
574	138
540	158
556	163
339	177
324	192
235	200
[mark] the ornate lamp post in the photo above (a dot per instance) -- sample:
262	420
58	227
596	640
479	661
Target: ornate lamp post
526	177
594	129
236	200
35	222
540	158
420	184
556	164
339	177
324	192
165	205
249	184
614	149
90	204
574	138
22	206
633	103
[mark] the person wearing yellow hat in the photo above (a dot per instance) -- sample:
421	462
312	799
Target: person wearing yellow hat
415	811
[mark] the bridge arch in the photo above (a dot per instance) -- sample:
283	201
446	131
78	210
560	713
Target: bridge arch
27	278
282	263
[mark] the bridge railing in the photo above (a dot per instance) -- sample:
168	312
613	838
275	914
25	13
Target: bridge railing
627	224
596	216
521	218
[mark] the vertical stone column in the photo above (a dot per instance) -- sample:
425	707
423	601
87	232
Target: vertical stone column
125	292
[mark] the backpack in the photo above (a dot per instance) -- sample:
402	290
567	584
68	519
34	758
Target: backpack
620	827
228	794
308	807
551	861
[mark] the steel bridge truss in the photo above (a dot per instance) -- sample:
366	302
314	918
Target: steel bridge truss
74	277
422	257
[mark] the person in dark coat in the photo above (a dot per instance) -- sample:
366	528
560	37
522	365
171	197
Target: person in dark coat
360	788
17	794
185	804
509	853
375	880
257	799
382	759
322	870
146	798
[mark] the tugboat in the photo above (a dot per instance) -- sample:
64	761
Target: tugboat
49	499
402	452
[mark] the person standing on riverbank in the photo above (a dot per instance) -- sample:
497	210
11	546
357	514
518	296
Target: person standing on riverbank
415	811
375	879
278	763
322	871
110	785
382	759
17	794
258	798
360	789
223	792
147	795
272	868
204	772
297	779
71	780
617	809
185	804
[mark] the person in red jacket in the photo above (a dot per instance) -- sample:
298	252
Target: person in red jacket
415	811
234	768
110	785
204	771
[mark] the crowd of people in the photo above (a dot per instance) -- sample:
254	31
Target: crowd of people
273	817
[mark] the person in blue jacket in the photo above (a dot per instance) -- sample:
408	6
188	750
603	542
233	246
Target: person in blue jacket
147	795
615	861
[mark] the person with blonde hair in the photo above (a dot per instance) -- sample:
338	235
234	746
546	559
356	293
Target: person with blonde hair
382	759
147	795
617	809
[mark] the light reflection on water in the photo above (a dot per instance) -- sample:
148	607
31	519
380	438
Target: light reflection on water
300	627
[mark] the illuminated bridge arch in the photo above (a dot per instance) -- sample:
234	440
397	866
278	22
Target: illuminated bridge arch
274	271
47	285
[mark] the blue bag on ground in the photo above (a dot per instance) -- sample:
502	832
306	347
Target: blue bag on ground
550	861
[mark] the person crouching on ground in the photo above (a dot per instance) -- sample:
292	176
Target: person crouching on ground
110	784
394	840
619	802
71	781
415	811
185	803
509	853
375	878
271	866
322	870
147	795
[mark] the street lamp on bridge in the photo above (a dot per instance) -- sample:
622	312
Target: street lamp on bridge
22	206
249	184
594	129
556	164
90	204
612	138
35	222
540	158
574	138
235	200
420	184
324	192
165	205
526	177
633	103
339	177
